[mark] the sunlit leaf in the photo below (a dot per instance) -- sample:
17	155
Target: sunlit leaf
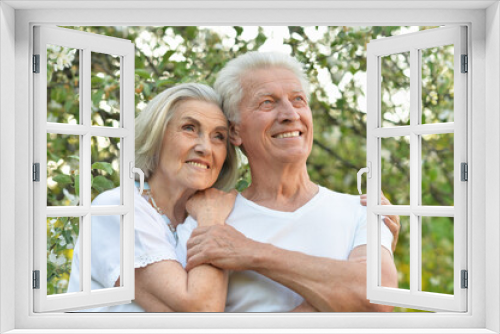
105	166
101	183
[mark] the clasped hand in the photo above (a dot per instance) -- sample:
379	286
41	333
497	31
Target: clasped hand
221	246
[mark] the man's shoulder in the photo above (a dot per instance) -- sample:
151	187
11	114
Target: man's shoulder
329	194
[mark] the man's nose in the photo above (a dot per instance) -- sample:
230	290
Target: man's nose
287	112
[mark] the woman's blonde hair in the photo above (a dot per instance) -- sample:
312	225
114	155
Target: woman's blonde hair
151	123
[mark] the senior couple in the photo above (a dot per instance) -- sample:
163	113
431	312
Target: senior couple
283	244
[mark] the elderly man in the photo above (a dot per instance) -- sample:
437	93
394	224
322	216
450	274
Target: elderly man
289	243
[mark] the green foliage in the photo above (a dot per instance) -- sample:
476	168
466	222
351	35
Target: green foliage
335	60
62	234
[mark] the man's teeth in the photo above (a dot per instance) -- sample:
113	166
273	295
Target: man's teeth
289	134
196	164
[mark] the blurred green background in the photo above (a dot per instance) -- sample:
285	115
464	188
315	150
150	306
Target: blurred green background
335	60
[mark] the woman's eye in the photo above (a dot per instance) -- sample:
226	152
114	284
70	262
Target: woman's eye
220	136
188	127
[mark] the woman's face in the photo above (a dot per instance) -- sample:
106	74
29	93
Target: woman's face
194	145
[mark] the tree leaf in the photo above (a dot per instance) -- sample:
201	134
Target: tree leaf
102	184
105	166
143	73
77	185
62	179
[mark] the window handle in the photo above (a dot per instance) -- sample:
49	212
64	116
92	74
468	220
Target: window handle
367	170
135	170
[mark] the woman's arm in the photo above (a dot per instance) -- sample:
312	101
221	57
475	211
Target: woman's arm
304	307
166	286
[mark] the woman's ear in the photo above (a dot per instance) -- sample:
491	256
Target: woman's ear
234	134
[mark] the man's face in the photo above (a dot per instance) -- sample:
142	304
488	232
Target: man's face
276	122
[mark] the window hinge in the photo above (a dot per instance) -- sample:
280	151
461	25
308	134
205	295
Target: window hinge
36	63
464	171
36	279
465	64
465	279
36	172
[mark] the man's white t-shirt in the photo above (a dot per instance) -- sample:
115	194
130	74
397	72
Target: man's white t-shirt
330	225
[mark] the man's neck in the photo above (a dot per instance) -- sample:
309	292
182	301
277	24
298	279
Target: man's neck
286	189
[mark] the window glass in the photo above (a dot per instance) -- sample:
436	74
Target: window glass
437	169
63	169
62	236
437	254
395	89
105	164
105	82
438	84
402	253
106	251
63	84
395	169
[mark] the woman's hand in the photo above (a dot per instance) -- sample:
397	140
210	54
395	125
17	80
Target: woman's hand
392	222
211	206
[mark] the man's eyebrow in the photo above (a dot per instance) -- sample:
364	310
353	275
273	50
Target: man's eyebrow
263	94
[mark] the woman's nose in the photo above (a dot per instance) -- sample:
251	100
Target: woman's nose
202	145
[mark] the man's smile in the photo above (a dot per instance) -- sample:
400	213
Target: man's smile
290	134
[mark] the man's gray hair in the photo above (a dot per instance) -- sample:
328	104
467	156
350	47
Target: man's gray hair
152	122
228	83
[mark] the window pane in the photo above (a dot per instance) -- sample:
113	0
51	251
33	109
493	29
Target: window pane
62	234
105	164
63	85
63	165
105	89
402	254
437	84
395	89
437	169
437	254
106	251
395	169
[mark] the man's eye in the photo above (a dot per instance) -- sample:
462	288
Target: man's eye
266	103
299	98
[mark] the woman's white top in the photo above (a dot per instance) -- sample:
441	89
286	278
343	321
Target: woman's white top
154	242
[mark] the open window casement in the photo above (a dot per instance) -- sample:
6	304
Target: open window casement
83	145
403	120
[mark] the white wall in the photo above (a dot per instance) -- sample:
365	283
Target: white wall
7	171
492	164
22	183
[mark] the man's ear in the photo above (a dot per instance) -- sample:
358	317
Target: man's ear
234	134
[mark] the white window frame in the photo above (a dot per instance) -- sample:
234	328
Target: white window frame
16	21
85	43
414	43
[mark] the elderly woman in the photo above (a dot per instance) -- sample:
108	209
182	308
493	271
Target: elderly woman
182	147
